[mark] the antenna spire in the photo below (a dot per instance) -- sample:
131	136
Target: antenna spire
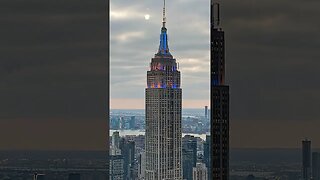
164	14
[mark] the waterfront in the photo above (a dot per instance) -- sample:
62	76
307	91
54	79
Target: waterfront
140	132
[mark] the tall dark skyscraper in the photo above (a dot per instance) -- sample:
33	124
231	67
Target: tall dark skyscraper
207	155
219	100
306	159
163	114
316	166
206	112
189	155
127	148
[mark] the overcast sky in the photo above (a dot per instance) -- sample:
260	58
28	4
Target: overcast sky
135	30
53	67
272	62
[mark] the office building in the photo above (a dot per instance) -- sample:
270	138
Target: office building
142	165
37	176
74	176
127	148
200	172
219	100
316	166
116	167
206	112
115	139
207	155
306	159
189	155
163	114
132	123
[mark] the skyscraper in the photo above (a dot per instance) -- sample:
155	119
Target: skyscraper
316	166
200	172
163	114
306	159
128	152
74	176
207	155
116	165
142	165
206	112
219	100
115	139
189	155
132	124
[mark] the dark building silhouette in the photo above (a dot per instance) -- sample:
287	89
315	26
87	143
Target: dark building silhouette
316	166
39	176
207	155
250	177
189	156
74	176
128	152
206	112
219	101
306	159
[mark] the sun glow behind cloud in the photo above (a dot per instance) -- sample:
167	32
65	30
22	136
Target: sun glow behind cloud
135	29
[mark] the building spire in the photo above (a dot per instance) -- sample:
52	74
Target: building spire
163	48
164	14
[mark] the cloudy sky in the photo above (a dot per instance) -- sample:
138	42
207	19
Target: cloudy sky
272	62
135	29
53	67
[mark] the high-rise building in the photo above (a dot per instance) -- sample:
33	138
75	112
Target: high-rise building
316	166
142	165
219	100
127	148
306	159
163	114
115	139
189	155
207	155
206	112
116	167
37	176
132	124
200	172
122	123
74	176
115	123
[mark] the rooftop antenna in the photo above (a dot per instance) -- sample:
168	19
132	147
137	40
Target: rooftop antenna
164	14
215	21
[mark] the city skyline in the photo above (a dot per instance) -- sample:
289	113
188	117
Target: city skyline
143	19
263	59
163	116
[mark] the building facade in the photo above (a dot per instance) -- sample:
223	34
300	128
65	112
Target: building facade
306	159
207	154
163	114
189	156
316	166
200	172
116	167
219	101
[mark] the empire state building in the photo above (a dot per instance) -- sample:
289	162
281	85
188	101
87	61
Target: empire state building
163	114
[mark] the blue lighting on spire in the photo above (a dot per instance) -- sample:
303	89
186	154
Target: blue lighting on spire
164	48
